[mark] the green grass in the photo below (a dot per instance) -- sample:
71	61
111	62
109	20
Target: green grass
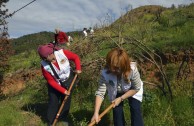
25	60
29	106
10	114
183	111
19	110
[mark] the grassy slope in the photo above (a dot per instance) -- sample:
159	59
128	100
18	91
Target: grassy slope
168	33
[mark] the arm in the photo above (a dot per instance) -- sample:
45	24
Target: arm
128	94
135	84
74	57
98	103
65	37
52	82
99	99
135	87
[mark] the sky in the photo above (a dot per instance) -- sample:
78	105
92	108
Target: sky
70	15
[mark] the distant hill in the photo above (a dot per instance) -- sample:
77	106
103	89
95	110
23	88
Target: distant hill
165	29
31	41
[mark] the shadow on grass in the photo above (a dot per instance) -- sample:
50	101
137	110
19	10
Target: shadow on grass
80	116
85	116
40	109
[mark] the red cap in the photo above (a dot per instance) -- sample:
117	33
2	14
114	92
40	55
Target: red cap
45	50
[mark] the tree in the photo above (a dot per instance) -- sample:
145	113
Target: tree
5	46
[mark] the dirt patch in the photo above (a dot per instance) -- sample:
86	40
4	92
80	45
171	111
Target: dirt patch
15	82
12	86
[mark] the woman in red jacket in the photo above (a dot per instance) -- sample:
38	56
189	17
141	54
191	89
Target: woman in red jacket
61	38
57	71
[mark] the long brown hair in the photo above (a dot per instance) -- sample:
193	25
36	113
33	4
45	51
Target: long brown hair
117	60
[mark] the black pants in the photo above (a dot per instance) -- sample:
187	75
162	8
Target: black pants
135	109
55	100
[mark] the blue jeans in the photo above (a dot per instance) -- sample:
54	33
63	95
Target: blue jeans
135	109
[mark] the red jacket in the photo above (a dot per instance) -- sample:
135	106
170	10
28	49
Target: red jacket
61	37
50	79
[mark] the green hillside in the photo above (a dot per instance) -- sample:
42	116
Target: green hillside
162	28
156	37
30	42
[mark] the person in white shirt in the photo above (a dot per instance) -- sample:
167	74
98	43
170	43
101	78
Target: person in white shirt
70	39
91	31
85	32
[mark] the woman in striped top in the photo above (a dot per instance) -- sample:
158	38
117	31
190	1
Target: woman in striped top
121	79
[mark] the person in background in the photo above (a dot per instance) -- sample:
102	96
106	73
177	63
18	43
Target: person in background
85	33
91	31
61	38
121	79
55	59
70	39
